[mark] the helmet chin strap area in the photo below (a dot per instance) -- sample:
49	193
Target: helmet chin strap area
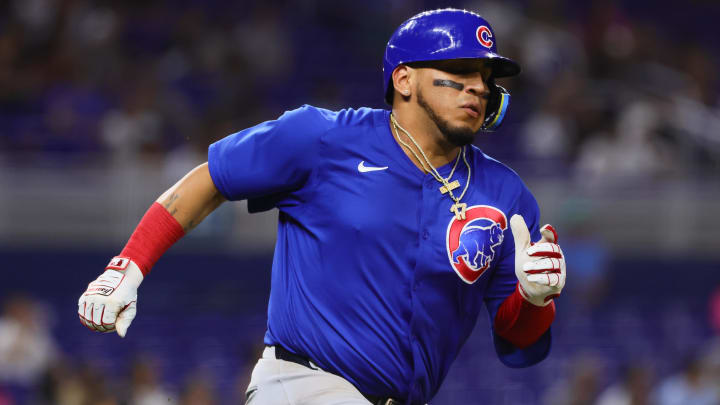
496	107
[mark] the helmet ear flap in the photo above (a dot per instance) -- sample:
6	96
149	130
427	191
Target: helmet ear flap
496	107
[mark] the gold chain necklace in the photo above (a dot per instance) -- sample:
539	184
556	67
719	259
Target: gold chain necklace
443	189
458	208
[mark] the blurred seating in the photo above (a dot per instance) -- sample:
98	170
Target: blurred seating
207	348
128	81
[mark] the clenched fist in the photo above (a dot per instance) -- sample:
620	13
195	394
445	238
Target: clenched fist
110	302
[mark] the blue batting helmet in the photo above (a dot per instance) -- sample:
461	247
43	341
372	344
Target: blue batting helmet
450	34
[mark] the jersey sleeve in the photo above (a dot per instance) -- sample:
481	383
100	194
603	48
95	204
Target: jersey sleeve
503	283
270	158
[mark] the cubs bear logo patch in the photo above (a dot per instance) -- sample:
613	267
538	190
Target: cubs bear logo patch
473	243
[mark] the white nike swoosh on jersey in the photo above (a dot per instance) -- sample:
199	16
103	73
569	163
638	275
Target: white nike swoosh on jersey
362	168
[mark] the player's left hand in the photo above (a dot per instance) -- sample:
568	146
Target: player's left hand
540	266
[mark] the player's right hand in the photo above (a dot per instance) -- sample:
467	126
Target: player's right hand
110	302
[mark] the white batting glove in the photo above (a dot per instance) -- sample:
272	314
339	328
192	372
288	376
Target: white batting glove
110	302
539	267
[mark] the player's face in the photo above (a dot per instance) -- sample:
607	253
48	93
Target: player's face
454	95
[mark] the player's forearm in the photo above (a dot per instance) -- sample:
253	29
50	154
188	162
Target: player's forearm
522	323
177	211
110	302
192	198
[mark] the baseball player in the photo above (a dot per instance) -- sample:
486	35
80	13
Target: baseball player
393	230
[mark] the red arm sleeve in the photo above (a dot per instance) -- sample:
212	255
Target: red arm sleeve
156	232
522	323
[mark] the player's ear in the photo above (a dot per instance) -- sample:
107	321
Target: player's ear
402	78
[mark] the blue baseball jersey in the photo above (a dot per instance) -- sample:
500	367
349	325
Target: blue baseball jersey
373	277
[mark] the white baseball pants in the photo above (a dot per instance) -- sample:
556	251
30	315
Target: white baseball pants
280	382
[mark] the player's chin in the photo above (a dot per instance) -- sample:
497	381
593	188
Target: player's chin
460	135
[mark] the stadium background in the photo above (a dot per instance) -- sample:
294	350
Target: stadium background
614	125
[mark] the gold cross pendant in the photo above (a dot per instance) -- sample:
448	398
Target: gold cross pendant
459	210
452	186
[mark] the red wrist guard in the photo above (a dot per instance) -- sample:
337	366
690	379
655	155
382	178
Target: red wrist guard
153	236
522	323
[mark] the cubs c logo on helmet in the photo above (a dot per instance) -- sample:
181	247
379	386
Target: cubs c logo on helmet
484	36
472	243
